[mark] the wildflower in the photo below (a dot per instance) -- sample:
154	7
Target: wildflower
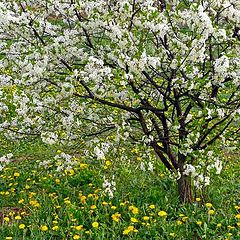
145	218
83	199
219	225
113	207
133	209
8	238
172	234
237	207
116	216
198	199
6	219
57	181
108	163
162	214
131	228
199	223
208	205
152	206
21	226
16	174
79	227
133	220
93	207
21	201
55	228
18	217
211	212
179	222
237	216
44	228
83	166
126	232
95	224
75	237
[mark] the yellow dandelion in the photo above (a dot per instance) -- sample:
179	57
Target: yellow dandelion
6	219
79	227
116	216
126	232
162	214
199	223
57	181
146	218
44	228
21	226
93	207
219	225
208	205
16	174
95	224
55	228
75	237
237	216
18	217
152	206
211	212
21	201
133	220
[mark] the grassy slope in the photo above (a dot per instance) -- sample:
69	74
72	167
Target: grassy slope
41	197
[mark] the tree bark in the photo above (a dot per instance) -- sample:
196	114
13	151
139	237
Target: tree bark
185	189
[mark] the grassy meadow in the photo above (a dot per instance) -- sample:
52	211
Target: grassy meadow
37	202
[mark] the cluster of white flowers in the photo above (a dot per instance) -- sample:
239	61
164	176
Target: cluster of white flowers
4	160
64	162
109	186
146	166
49	137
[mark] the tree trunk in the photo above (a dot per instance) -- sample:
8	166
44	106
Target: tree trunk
185	189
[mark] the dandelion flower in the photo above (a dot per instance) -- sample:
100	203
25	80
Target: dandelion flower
145	218
55	228
6	219
21	226
79	227
75	237
133	220
199	223
95	224
237	216
211	212
162	214
208	205
44	228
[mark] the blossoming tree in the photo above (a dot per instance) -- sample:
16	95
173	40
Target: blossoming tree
163	75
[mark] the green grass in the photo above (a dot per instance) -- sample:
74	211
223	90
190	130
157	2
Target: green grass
66	206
